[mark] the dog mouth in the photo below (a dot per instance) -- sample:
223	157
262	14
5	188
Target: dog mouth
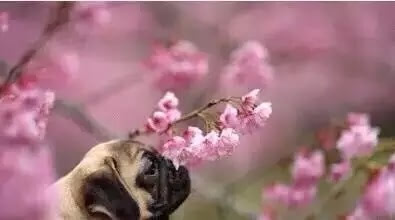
168	186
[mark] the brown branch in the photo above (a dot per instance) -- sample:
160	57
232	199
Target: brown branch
186	117
57	20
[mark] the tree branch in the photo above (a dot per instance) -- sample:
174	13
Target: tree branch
57	20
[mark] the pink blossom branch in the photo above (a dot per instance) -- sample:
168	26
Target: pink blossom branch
59	18
186	117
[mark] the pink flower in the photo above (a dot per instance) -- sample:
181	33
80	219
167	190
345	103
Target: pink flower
301	196
54	68
173	115
168	102
229	139
358	141
88	15
178	66
159	122
290	196
210	146
357	119
378	199
308	167
192	132
339	171
229	118
248	65
250	122
250	98
277	192
262	112
174	150
23	156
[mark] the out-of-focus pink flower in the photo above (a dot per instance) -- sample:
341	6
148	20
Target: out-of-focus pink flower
308	167
168	102
359	214
378	199
339	171
277	192
290	196
229	118
358	141
249	65
177	66
158	122
89	15
54	68
4	21
357	119
26	169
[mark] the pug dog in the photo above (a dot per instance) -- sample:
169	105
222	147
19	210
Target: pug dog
122	180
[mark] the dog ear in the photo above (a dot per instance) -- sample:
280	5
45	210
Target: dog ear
106	198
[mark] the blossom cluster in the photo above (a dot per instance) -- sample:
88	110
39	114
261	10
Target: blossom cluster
24	157
249	65
249	117
167	113
193	146
360	139
177	66
307	169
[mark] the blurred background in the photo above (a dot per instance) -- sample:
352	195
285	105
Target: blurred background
327	58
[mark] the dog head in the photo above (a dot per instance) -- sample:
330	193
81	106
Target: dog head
123	180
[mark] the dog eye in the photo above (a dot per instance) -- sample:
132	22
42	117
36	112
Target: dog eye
150	169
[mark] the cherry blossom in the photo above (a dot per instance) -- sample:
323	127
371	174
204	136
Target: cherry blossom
358	140
229	118
379	197
229	139
358	119
177	66
88	16
24	157
307	168
290	195
53	68
159	122
249	65
168	102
